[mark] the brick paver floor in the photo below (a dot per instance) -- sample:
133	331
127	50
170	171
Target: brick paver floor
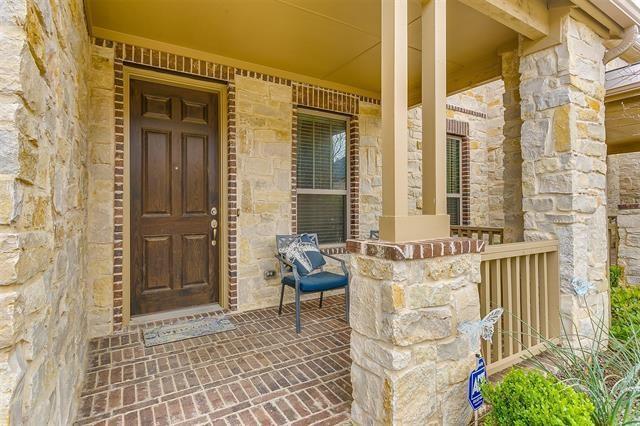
260	373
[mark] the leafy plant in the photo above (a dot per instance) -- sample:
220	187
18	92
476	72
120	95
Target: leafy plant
533	399
615	275
625	311
602	366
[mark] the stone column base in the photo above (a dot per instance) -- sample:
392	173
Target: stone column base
410	364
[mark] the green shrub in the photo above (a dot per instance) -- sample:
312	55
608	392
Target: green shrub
625	311
533	399
615	275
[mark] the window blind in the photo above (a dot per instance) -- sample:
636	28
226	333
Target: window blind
454	184
322	177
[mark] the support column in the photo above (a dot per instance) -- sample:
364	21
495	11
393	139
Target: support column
434	102
395	222
564	163
512	159
410	364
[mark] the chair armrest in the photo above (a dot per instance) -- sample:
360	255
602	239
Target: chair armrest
342	263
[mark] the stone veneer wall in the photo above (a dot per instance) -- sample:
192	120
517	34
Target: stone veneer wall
564	162
370	119
481	108
101	163
629	242
264	114
623	181
44	48
511	197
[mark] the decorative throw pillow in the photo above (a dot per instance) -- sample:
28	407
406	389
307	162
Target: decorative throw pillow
304	254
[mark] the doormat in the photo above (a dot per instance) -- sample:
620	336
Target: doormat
186	330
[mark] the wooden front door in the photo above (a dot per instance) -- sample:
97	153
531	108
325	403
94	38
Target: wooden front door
174	197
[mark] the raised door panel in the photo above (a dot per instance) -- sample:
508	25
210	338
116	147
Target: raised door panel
195	260
157	261
195	176
156	172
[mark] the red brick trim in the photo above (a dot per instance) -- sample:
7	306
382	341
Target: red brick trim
633	206
354	177
417	249
118	190
466	111
294	169
232	198
458	128
461	129
465	178
332	101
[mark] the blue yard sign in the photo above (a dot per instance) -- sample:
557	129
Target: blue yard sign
476	378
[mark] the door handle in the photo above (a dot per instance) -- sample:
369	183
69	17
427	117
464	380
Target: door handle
214	226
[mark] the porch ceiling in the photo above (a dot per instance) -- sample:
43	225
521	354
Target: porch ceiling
319	41
622	110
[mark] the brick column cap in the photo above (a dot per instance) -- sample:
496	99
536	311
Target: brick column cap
414	250
634	206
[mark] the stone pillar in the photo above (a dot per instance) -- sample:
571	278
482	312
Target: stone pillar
512	160
629	242
564	162
410	364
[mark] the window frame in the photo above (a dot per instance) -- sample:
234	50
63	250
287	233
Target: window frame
459	194
346	192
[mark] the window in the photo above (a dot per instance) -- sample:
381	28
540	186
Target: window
322	177
454	185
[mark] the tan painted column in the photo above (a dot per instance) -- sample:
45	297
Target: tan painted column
394	108
434	100
395	223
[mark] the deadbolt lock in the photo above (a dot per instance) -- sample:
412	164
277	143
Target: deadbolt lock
214	211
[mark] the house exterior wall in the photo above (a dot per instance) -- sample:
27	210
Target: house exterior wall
261	146
623	181
623	203
44	297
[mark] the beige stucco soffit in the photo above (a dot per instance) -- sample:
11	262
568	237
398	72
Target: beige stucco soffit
529	18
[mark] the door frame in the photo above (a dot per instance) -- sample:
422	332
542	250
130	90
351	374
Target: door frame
221	89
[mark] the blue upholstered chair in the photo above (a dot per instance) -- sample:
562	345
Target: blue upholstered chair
309	280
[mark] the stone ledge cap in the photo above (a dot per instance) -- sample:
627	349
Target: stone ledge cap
414	250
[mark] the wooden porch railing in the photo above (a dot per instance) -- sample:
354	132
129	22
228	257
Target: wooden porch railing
523	278
489	234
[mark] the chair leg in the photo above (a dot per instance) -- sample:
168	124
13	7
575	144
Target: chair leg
298	327
321	293
346	303
281	297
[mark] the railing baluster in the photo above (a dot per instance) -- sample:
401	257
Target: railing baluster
527	299
499	303
536	297
518	305
508	308
545	297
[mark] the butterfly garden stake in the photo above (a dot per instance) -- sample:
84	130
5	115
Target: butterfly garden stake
475	330
483	328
